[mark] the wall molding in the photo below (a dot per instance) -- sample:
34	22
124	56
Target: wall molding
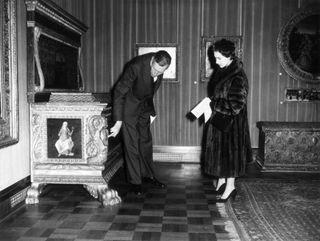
13	196
185	154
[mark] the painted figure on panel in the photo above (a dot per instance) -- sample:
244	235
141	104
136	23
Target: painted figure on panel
65	144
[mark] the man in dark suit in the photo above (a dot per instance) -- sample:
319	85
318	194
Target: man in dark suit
133	110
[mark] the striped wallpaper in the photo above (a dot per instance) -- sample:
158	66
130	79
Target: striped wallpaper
115	26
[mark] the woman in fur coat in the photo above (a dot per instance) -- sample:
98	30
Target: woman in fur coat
227	152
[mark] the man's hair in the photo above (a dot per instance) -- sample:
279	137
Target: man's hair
225	47
162	58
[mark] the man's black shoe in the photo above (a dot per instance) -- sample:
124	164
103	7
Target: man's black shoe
136	189
155	182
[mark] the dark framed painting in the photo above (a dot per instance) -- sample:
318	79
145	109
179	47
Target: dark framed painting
59	64
207	59
64	138
171	74
298	46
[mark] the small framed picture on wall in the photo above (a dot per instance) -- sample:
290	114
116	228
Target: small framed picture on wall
171	74
207	58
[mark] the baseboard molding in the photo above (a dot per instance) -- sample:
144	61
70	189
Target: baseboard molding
12	197
180	154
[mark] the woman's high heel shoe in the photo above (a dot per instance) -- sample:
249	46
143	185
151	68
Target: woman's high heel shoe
232	195
221	189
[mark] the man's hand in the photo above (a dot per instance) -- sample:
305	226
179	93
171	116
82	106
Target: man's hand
115	129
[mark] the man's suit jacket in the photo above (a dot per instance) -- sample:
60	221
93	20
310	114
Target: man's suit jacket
133	94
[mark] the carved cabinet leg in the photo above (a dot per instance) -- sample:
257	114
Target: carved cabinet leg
105	195
108	196
33	193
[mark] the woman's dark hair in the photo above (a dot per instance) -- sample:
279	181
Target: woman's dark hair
225	47
162	58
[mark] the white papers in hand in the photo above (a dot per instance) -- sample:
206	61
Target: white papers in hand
152	118
203	108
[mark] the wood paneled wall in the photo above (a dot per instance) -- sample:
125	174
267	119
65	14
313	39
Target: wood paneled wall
115	26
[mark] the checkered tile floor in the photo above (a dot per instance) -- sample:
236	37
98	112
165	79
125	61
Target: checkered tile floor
185	210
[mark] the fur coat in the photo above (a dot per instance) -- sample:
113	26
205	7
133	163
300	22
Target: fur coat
226	153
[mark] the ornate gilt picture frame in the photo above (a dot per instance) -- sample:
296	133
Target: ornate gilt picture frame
171	74
207	62
298	46
9	128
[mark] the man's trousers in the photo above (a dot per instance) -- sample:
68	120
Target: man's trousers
137	140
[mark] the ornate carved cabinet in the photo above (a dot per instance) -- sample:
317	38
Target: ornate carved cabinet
69	137
289	146
82	156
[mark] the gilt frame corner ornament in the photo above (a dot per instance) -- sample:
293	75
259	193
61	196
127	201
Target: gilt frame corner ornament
171	74
298	46
206	68
9	125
